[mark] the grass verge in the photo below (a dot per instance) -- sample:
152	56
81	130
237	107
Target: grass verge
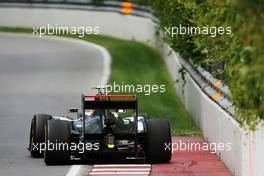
135	63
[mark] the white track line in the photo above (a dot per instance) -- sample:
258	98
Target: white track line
121	169
122	165
119	173
74	170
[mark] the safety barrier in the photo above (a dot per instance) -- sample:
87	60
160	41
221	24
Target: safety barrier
106	5
201	99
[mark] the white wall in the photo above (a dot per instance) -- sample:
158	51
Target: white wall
110	23
246	156
217	126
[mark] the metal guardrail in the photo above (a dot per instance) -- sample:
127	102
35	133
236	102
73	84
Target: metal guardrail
214	88
106	5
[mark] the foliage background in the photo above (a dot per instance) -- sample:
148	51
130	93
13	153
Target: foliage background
238	59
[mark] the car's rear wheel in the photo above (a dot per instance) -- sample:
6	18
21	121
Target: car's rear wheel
37	137
158	137
57	140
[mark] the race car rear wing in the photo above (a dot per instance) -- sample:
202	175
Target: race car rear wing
109	102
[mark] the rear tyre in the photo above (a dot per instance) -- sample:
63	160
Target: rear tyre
158	136
37	136
57	135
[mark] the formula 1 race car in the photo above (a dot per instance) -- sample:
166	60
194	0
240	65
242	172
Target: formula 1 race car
109	129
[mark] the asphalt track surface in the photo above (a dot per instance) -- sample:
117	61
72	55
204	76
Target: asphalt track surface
39	75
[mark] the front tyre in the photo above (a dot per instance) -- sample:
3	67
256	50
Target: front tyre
158	136
37	138
57	140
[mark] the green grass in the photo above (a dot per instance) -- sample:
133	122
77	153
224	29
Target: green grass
136	63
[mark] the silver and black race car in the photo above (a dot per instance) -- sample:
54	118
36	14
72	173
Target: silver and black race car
108	129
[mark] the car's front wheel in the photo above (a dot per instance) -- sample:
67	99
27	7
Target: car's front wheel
37	138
